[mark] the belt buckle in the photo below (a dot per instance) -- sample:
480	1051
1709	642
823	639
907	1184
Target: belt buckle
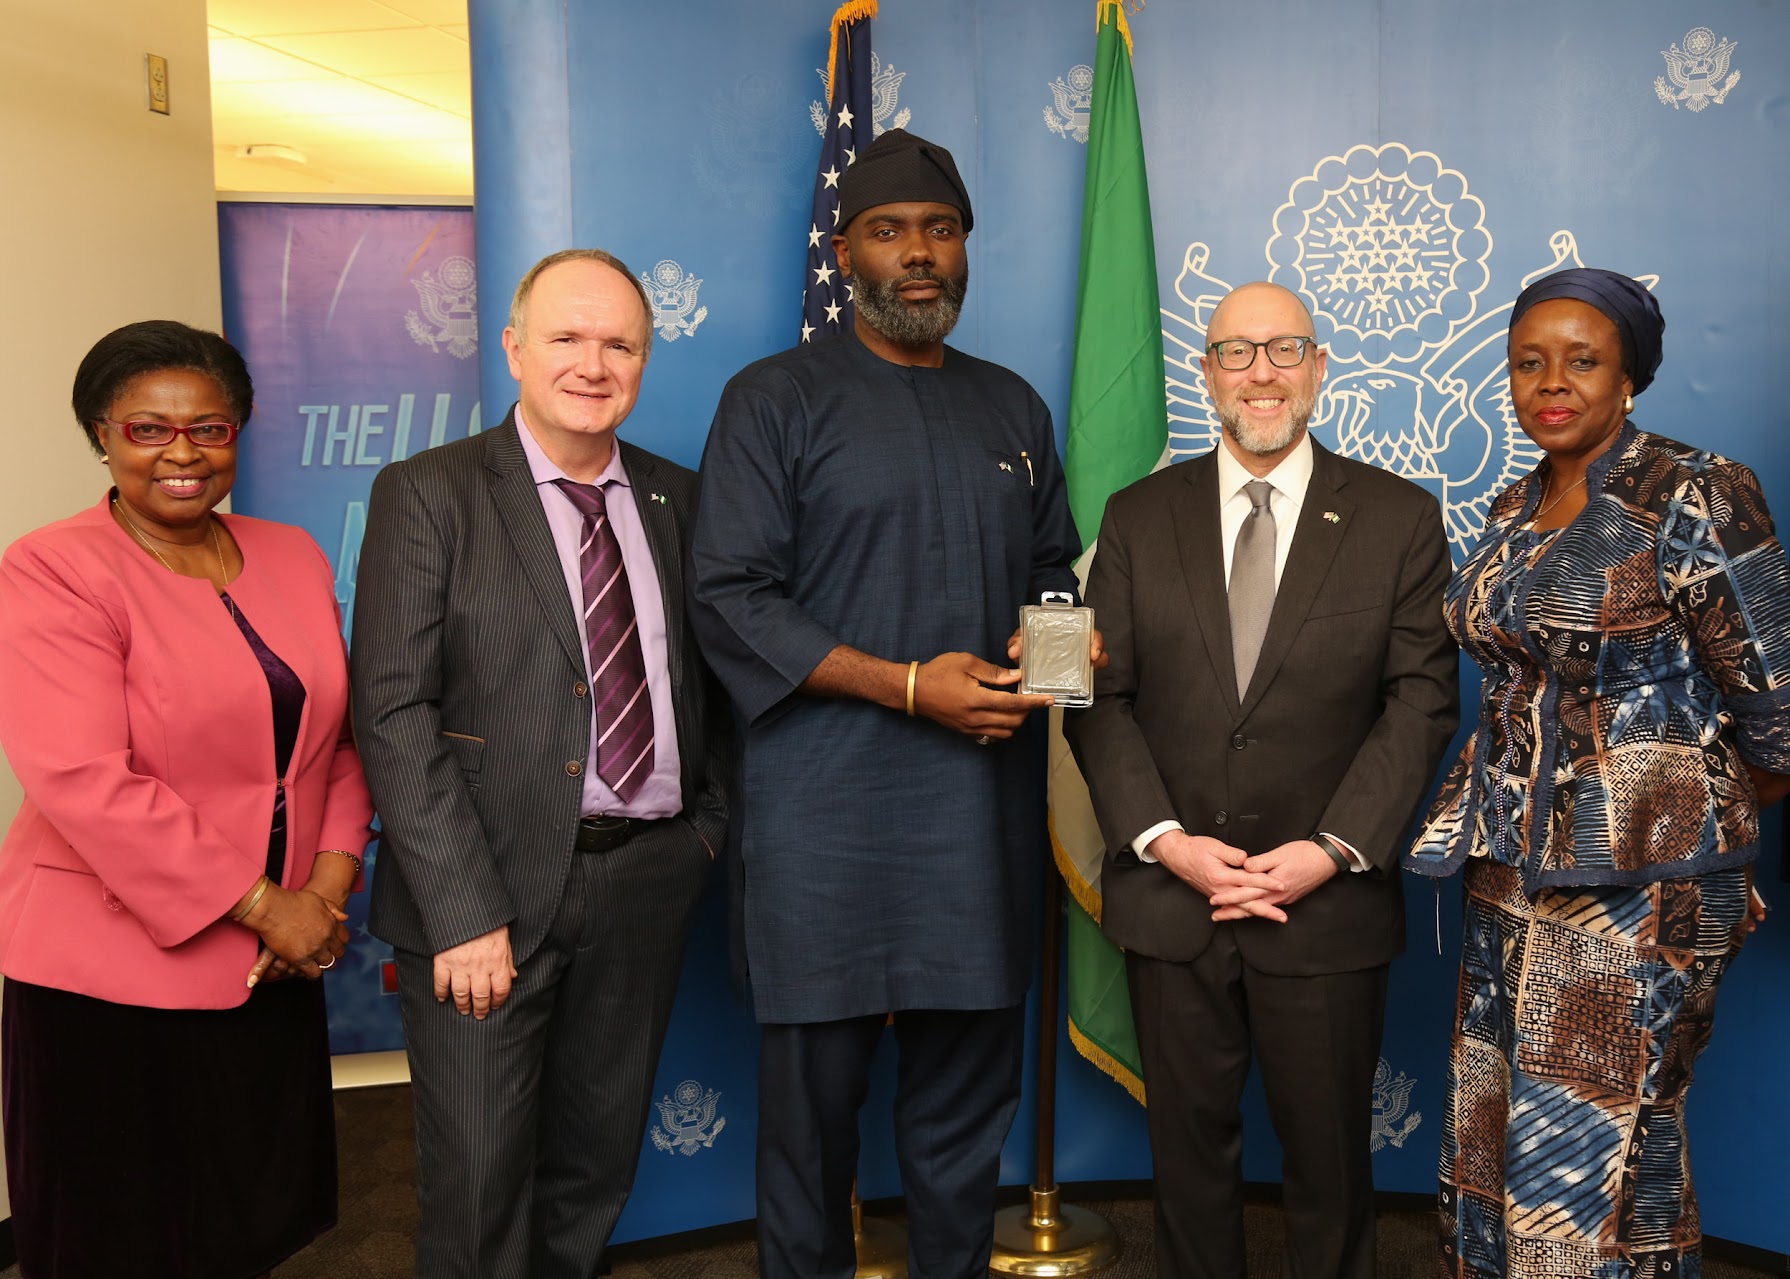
604	831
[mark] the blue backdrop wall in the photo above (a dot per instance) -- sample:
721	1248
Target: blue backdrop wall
1404	165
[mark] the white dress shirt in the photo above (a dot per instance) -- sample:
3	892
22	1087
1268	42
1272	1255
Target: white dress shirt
1290	480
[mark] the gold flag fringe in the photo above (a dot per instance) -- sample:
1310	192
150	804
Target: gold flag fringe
1084	893
1089	900
1118	8
852	11
1107	1064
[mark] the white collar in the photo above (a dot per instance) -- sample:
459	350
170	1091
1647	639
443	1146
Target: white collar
1291	477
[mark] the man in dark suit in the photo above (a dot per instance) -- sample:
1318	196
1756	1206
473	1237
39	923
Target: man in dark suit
1280	691
535	723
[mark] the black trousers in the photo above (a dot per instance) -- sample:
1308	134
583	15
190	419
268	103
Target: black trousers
1317	1041
528	1124
957	1088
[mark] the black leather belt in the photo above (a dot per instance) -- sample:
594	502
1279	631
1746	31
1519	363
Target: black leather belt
602	833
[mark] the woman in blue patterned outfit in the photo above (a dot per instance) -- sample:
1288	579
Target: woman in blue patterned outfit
1629	607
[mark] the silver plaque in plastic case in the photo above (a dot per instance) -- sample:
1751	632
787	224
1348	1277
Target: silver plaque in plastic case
1057	634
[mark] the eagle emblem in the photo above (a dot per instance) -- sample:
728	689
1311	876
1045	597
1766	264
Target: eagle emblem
687	1121
1072	95
672	291
885	98
1389	249
1698	70
449	304
1392	1097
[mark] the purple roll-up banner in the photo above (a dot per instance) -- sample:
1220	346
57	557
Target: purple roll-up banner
360	327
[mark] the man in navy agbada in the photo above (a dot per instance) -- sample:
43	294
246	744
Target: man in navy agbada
876	509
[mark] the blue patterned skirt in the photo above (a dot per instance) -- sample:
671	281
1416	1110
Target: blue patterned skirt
1580	1017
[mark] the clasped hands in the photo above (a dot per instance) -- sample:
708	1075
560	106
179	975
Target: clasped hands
302	932
1237	885
966	694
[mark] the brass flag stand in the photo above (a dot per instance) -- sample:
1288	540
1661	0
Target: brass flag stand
882	1245
1045	1236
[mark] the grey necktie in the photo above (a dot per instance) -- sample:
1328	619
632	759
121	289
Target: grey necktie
1252	582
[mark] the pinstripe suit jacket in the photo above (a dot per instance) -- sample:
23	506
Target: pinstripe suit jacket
470	706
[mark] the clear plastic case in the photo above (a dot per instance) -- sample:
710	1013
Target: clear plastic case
1055	661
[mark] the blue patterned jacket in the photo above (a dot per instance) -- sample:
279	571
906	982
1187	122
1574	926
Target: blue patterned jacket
1632	668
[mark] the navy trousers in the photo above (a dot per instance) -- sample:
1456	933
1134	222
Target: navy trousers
956	1091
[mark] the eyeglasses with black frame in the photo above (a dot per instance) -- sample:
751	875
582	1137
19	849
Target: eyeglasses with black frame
155	435
1237	354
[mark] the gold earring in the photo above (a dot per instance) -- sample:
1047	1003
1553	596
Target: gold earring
105	457
1628	405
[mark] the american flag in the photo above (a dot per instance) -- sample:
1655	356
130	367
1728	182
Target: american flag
826	298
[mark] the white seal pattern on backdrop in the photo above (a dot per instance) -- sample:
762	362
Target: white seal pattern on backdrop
1389	251
1698	69
449	301
672	291
1072	96
885	99
687	1119
745	155
1392	1098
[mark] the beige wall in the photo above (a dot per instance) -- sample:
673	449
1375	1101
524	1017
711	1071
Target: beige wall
108	215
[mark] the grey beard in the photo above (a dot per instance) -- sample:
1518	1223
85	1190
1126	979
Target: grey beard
907	324
1261	443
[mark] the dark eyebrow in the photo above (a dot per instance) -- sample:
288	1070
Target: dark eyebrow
930	219
1536	346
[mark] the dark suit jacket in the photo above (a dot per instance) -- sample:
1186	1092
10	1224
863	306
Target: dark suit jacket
1353	699
469	701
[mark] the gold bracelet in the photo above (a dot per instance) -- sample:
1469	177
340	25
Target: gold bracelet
343	852
255	895
913	673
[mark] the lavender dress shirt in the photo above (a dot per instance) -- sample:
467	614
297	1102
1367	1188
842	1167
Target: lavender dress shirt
662	794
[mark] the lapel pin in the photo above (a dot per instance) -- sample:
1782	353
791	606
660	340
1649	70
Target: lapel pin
1333	517
659	498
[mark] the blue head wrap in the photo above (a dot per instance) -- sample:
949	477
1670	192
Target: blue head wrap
1627	304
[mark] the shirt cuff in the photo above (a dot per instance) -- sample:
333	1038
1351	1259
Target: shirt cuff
1143	841
1357	863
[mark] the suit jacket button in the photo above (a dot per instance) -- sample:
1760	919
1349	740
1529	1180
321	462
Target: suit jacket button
1238	741
580	689
573	768
1220	817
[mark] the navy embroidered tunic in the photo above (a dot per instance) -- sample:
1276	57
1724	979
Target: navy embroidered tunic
888	862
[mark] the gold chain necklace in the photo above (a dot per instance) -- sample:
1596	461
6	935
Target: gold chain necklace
1536	518
217	548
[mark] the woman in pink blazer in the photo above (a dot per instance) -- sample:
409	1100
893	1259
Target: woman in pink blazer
173	699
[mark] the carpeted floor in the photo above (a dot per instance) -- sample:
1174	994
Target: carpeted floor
378	1217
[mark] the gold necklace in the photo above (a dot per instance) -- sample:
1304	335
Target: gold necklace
217	547
1536	518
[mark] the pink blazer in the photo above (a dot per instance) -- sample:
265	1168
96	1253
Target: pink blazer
139	724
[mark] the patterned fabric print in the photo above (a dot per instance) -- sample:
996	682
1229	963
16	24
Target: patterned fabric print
1632	662
1580	1016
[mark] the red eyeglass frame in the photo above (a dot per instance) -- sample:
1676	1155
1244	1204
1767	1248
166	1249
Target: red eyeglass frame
125	429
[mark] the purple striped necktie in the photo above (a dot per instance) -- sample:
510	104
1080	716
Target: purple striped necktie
618	670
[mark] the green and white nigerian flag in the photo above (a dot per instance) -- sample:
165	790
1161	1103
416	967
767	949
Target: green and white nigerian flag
1118	433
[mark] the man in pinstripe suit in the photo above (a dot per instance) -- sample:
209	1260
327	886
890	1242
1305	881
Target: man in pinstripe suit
534	719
